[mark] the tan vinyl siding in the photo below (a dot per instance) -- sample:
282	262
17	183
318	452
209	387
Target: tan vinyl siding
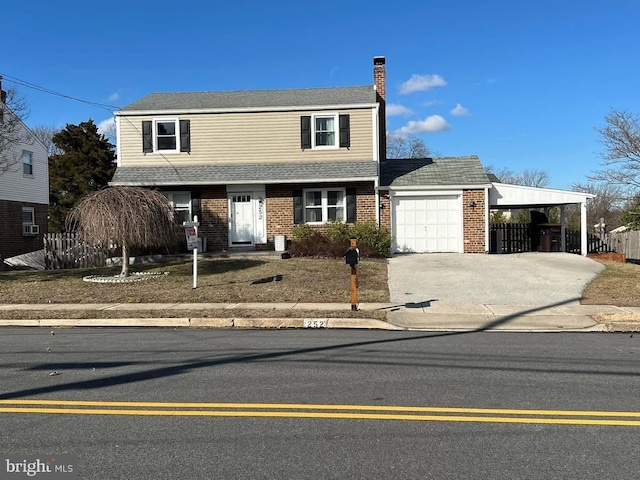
253	137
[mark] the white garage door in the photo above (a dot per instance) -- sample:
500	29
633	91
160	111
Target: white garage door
428	224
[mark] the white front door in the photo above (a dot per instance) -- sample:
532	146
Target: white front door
428	224
241	219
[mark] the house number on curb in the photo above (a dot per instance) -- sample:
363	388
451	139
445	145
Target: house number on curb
315	323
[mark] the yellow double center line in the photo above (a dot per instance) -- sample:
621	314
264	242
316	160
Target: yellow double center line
350	412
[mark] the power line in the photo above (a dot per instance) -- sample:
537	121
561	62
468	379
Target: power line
33	86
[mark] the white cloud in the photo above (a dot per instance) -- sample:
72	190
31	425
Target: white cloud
431	124
422	83
108	126
431	103
397	109
460	111
114	96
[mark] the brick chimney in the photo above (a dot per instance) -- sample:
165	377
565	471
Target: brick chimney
3	94
380	81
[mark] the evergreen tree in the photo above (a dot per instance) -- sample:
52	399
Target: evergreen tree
86	164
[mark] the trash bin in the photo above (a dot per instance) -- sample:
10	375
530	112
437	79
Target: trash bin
280	242
550	237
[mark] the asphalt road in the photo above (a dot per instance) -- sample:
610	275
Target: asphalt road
280	390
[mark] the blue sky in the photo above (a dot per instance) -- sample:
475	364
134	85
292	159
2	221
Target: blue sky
521	84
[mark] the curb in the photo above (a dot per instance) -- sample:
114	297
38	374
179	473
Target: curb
224	323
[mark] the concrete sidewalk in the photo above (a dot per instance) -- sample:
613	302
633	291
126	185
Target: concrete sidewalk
425	316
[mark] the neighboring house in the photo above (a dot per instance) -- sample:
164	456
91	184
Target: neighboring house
24	189
253	164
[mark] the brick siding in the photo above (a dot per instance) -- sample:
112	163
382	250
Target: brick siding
279	211
12	241
474	226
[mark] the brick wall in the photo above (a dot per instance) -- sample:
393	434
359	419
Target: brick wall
473	218
280	205
279	211
215	214
12	241
385	210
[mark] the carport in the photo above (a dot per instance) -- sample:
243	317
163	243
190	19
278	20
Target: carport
503	196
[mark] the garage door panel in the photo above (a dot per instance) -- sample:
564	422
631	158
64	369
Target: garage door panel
428	224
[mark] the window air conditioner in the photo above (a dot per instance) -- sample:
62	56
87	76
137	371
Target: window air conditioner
30	229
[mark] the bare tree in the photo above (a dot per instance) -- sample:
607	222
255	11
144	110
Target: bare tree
406	147
45	135
608	204
621	158
130	216
529	178
13	110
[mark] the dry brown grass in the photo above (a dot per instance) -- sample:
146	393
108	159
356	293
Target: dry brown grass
221	280
618	285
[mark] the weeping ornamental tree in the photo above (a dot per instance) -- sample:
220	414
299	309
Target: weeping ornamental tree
127	216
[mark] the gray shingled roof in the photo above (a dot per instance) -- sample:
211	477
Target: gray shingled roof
433	172
164	102
247	173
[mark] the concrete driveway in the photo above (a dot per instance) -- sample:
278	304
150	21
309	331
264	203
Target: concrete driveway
531	278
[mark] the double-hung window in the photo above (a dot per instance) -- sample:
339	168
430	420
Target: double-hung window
324	128
27	163
181	203
324	205
325	131
166	138
166	135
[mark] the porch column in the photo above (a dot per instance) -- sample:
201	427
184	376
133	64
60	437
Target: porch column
563	229
584	248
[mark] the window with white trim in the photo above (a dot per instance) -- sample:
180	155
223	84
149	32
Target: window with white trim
166	135
325	131
181	203
28	216
27	162
324	205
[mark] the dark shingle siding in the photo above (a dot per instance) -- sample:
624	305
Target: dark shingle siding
249	173
159	102
438	171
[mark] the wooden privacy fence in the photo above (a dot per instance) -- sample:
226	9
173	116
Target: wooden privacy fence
627	243
65	250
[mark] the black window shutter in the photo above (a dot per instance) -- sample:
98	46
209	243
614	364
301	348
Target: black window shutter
305	132
147	137
298	212
185	136
351	205
345	135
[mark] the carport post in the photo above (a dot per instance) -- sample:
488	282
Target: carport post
584	248
563	229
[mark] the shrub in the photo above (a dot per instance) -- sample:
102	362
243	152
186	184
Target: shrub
333	240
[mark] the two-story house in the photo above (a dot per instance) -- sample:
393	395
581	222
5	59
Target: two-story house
24	185
252	164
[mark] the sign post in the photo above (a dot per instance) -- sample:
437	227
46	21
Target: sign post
352	256
191	232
